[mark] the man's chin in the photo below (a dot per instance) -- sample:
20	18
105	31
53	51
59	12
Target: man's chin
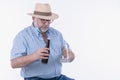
44	30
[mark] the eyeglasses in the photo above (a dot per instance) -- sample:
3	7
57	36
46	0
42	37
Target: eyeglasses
45	20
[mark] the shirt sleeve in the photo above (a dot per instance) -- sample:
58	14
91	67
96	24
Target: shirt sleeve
19	47
65	43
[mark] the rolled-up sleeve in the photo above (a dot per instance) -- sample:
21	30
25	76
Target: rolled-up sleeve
19	47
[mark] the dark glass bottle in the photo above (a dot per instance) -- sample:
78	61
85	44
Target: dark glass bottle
47	46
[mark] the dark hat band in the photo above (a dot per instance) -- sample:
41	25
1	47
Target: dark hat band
43	13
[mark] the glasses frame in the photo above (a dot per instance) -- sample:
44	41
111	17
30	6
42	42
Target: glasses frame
45	20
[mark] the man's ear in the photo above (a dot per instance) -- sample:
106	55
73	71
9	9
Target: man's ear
33	18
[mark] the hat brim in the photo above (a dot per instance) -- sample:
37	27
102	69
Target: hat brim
53	16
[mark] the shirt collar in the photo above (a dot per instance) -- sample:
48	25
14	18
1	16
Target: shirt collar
37	30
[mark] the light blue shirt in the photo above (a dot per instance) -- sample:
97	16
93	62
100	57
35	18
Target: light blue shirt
28	41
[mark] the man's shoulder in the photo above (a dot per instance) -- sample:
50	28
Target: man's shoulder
23	31
28	28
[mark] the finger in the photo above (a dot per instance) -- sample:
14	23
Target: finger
45	51
45	56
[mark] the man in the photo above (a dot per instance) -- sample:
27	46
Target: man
29	51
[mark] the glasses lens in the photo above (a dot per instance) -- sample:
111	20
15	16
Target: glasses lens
45	20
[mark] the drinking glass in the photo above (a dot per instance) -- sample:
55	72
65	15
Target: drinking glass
65	59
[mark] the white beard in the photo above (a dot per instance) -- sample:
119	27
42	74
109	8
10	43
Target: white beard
41	29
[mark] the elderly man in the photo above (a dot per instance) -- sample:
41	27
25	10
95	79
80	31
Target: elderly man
38	49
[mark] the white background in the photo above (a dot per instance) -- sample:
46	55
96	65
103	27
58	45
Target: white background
91	27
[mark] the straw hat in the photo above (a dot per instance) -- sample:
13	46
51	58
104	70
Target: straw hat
43	11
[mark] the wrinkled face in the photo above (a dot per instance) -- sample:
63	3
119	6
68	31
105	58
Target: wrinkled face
43	24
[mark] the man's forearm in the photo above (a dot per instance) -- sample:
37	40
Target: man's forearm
22	61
